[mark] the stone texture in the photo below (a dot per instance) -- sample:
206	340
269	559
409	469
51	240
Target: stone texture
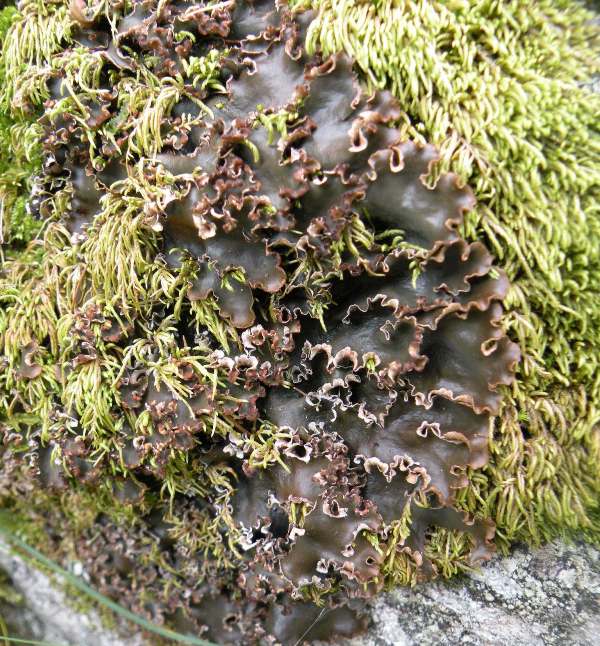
547	596
44	613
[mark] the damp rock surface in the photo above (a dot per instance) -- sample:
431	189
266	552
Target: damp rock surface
546	596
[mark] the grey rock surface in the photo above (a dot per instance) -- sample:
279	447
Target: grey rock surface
547	596
45	614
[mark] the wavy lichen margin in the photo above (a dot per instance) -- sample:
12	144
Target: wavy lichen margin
507	92
522	457
83	227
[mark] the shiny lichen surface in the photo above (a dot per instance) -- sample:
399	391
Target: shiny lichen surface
251	363
509	94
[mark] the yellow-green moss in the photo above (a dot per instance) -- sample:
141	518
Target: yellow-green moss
18	161
501	89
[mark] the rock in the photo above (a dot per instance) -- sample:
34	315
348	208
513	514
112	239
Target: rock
45	614
546	596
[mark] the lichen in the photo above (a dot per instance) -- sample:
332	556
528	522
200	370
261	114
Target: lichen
251	362
506	92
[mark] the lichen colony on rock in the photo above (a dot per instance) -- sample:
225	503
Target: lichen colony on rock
327	371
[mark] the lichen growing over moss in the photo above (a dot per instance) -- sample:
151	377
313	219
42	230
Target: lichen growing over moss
250	355
505	90
303	359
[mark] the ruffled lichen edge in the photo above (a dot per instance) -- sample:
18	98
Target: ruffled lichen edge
41	310
506	92
543	476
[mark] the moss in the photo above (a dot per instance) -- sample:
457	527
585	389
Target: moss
19	160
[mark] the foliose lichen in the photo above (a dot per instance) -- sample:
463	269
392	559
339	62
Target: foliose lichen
508	92
310	401
266	324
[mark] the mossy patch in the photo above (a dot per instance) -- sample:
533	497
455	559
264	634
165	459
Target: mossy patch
19	160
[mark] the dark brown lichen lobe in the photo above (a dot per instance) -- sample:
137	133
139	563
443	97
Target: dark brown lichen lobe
365	333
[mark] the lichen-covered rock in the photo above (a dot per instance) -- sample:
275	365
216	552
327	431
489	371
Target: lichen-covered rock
547	596
300	360
543	597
